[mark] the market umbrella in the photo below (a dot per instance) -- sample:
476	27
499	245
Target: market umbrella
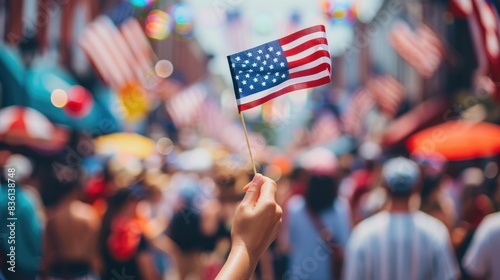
22	126
43	80
12	73
125	143
457	140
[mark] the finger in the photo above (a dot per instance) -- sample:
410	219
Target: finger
268	190
253	189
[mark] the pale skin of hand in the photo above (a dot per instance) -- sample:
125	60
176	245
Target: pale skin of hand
256	225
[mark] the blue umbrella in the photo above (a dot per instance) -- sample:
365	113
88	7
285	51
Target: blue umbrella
12	73
40	83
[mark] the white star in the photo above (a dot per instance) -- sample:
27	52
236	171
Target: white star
243	65
264	62
264	84
251	86
237	77
240	90
278	53
238	58
247	75
275	60
257	75
241	71
277	74
258	57
282	64
246	61
244	82
270	49
233	65
283	76
267	56
266	77
274	80
260	51
249	54
261	68
250	71
254	64
271	67
255	80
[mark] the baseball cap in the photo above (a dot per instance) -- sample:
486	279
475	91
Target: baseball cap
401	175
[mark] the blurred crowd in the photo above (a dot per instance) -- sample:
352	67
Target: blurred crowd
122	168
115	217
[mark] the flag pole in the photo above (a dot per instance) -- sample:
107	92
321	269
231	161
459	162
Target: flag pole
248	142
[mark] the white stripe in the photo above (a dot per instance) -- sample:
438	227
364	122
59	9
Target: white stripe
109	35
264	93
303	39
92	46
307	52
122	50
142	53
311	64
416	246
401	255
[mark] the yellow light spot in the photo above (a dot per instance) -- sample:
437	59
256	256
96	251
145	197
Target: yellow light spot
59	98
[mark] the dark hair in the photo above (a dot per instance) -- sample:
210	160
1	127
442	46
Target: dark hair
57	181
321	192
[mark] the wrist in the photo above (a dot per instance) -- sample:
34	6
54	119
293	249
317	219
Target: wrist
239	265
244	256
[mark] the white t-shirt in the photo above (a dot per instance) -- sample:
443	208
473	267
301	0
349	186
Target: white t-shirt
309	258
482	259
406	246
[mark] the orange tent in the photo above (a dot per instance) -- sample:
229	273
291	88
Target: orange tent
457	140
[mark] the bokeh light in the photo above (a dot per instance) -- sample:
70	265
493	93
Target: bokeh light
339	10
159	25
165	146
133	99
59	98
183	18
141	3
80	102
164	68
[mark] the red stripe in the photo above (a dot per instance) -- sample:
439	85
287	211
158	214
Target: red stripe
314	56
290	88
311	71
292	37
307	45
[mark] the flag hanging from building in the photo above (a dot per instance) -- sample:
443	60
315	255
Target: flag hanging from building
298	61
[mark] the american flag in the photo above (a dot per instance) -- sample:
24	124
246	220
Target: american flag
121	54
297	61
184	107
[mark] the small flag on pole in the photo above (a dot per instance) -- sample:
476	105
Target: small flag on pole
298	61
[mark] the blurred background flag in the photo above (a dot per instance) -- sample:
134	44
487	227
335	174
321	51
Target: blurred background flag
297	61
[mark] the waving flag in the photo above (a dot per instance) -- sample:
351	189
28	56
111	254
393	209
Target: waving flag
298	61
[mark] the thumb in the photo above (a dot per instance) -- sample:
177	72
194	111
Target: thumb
253	190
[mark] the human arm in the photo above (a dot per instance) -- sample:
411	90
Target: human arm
256	224
478	256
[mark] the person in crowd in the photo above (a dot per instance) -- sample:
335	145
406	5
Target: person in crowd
318	223
400	242
124	249
71	231
481	259
195	227
474	206
27	233
434	199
